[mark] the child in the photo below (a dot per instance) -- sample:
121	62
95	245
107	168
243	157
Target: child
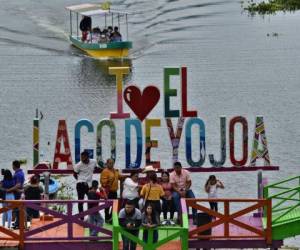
150	220
211	186
167	205
7	183
95	218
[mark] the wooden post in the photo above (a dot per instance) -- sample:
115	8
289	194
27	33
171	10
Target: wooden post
185	226
22	221
70	22
70	224
36	141
226	214
269	222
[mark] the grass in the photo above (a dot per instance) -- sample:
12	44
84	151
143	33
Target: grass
272	6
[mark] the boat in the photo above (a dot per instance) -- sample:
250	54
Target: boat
102	50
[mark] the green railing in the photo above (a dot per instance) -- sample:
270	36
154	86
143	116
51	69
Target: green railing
285	197
173	232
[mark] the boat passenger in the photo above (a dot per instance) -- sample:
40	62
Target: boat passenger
116	37
94	36
85	27
103	37
130	218
181	182
83	173
152	192
109	32
150	219
7	183
95	218
110	182
211	187
33	192
131	189
167	201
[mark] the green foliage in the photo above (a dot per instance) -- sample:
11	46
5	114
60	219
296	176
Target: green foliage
272	6
65	192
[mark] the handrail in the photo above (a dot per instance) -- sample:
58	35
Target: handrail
227	218
297	189
286	212
284	181
13	235
290	194
68	217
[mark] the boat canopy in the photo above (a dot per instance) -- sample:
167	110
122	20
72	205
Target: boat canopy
94	9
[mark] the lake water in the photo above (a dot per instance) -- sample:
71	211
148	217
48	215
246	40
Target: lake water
234	68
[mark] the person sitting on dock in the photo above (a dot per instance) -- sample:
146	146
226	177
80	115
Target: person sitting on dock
181	182
211	187
167	200
131	189
110	182
95	218
130	218
83	173
116	36
85	27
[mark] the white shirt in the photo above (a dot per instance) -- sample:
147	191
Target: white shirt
85	171
212	191
130	189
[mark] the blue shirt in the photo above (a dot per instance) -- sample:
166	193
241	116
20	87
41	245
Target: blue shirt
19	178
8	184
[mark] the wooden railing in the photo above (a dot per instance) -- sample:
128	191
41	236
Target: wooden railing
17	235
66	217
229	217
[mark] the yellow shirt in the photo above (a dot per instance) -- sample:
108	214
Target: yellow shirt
152	192
110	179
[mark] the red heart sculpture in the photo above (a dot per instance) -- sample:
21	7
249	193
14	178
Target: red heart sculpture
141	103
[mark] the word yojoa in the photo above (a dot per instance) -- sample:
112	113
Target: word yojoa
141	104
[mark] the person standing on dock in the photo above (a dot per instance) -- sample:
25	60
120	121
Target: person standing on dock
211	187
19	179
7	183
83	173
181	182
110	182
95	218
130	218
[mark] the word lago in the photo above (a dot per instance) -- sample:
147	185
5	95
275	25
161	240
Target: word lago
259	146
